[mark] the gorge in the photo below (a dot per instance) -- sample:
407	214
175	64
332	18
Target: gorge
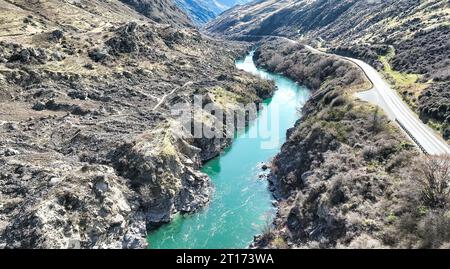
92	155
241	206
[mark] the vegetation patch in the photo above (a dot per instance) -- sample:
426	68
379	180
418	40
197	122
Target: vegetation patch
407	85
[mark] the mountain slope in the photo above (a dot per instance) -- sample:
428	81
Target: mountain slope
407	40
90	154
162	11
330	20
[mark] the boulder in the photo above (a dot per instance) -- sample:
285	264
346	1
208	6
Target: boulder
264	167
54	181
56	35
58	56
30	55
89	66
98	55
125	40
78	94
8	152
24	56
101	186
39	106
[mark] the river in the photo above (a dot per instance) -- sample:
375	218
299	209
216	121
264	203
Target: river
242	205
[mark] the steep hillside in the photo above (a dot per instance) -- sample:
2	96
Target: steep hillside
408	40
162	11
89	157
347	177
202	11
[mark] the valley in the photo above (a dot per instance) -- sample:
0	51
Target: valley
203	11
309	216
385	34
225	124
241	205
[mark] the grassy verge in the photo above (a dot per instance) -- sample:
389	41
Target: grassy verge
407	85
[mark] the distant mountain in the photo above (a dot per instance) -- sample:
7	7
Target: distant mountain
203	11
197	10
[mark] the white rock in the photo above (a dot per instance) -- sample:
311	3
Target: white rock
54	181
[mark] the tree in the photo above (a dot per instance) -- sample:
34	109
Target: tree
434	176
376	121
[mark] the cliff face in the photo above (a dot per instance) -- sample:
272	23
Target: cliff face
347	177
88	154
407	40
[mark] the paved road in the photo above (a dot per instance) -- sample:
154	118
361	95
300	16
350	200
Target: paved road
384	96
394	106
388	99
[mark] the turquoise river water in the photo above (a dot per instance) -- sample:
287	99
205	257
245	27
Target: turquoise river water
241	205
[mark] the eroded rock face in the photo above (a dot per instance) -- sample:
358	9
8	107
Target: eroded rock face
86	208
165	174
52	200
126	40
